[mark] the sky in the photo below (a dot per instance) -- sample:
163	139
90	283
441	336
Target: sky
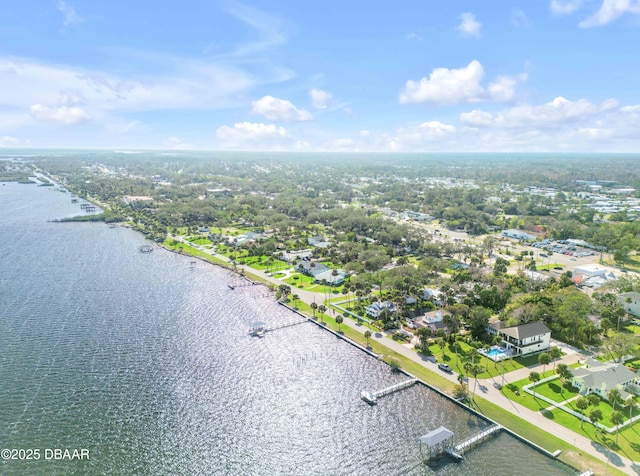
368	76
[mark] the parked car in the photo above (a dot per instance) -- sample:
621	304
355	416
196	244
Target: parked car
445	367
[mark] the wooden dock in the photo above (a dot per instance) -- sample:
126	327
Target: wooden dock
466	445
372	397
259	329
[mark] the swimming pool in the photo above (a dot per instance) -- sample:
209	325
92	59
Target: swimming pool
496	353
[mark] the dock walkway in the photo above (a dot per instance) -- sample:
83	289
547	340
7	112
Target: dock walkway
477	439
372	397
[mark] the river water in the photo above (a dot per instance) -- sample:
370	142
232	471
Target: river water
145	361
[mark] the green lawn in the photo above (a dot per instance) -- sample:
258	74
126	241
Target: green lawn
191	251
628	440
556	391
199	240
264	263
303	281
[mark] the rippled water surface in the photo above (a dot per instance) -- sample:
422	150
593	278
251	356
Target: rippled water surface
147	363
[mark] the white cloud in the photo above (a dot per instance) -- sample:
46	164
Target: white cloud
251	135
446	86
342	143
458	86
611	10
176	143
8	141
276	109
60	115
413	36
595	132
70	15
564	7
519	18
364	133
631	109
319	98
71	98
425	132
556	112
469	26
503	89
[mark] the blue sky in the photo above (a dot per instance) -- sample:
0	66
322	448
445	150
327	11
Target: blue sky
414	75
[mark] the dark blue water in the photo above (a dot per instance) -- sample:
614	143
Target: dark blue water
147	363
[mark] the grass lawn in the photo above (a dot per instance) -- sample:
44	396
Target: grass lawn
555	391
199	240
191	251
628	439
303	281
299	280
264	262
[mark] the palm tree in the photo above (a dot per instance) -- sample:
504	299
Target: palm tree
473	370
456	349
631	403
534	377
295	299
423	334
442	343
564	372
617	418
367	335
544	359
497	340
322	309
614	397
486	348
314	306
595	416
593	399
339	321
582	404
555	354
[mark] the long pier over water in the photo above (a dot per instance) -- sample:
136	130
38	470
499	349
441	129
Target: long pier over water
372	397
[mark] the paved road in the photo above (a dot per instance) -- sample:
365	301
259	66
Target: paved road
485	387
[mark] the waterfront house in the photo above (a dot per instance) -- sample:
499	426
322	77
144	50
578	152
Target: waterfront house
311	268
600	378
630	302
433	320
330	278
291	256
523	339
373	310
433	295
